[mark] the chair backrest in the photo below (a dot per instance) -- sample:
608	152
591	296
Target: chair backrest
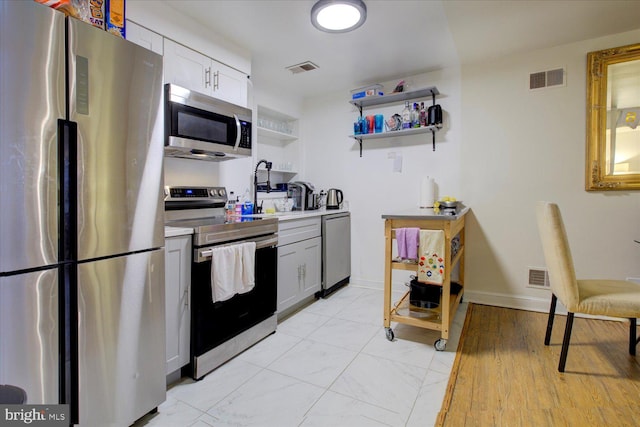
557	254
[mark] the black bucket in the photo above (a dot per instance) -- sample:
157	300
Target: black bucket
428	296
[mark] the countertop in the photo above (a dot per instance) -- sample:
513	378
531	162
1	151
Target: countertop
281	216
287	216
428	213
177	231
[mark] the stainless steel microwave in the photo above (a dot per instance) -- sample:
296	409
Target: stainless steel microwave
200	127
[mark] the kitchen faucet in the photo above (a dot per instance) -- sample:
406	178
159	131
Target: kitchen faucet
255	182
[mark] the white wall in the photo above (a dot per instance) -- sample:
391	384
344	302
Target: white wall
519	147
369	183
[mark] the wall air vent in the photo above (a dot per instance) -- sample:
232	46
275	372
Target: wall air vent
538	278
303	67
549	78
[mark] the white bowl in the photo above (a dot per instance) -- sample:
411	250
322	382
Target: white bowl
283	205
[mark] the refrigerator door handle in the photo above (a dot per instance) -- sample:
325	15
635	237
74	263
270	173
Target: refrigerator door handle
68	190
68	251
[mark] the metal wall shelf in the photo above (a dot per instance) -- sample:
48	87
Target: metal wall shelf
396	98
371	101
401	132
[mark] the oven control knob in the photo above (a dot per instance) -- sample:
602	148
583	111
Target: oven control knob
212	192
221	192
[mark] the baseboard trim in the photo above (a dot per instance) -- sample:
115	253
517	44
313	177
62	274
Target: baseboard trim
511	301
525	303
363	283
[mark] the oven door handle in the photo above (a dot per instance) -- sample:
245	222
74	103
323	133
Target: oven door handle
204	254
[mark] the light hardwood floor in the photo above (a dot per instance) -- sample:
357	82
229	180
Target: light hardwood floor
506	376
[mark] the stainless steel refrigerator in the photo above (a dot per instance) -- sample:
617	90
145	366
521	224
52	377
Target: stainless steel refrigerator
81	217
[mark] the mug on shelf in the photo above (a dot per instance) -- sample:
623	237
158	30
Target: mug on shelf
371	124
379	123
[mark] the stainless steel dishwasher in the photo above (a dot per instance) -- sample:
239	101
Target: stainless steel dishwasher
336	252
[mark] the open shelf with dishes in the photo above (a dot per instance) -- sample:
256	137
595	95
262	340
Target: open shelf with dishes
276	134
396	98
277	141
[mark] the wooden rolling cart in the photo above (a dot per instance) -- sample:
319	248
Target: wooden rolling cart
451	221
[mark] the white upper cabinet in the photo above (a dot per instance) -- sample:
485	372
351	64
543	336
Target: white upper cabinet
145	38
185	67
192	70
229	84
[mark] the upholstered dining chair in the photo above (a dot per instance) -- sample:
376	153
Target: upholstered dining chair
601	297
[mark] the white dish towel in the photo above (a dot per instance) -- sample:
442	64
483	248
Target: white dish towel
232	270
431	257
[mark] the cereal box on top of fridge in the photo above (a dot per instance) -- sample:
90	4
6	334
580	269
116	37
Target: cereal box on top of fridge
96	12
115	22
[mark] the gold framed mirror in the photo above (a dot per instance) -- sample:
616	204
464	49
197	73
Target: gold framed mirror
613	119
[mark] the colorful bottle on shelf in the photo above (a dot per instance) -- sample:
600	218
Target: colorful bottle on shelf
423	115
406	116
415	116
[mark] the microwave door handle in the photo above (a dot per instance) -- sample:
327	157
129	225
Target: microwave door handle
238	131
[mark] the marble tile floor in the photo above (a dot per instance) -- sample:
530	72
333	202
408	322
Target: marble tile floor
329	365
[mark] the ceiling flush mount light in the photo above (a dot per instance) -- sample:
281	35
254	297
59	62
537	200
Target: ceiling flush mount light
338	16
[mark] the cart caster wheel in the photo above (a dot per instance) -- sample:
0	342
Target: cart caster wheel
440	344
390	334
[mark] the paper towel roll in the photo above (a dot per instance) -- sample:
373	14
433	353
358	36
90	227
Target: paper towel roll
427	192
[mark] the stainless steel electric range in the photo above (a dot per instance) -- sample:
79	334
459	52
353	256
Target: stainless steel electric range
221	330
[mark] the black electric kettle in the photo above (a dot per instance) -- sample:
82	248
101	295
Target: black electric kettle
334	198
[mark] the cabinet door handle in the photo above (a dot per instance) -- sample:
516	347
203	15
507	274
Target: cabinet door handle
187	297
207	77
216	79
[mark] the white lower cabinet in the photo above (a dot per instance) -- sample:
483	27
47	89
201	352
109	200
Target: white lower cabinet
299	261
177	300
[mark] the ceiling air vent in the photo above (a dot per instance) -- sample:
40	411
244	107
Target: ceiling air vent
538	278
549	78
303	67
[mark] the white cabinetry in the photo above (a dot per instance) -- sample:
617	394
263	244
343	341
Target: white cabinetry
299	261
190	69
177	300
145	38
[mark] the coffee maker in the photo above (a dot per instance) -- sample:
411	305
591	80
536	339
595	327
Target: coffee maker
303	197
